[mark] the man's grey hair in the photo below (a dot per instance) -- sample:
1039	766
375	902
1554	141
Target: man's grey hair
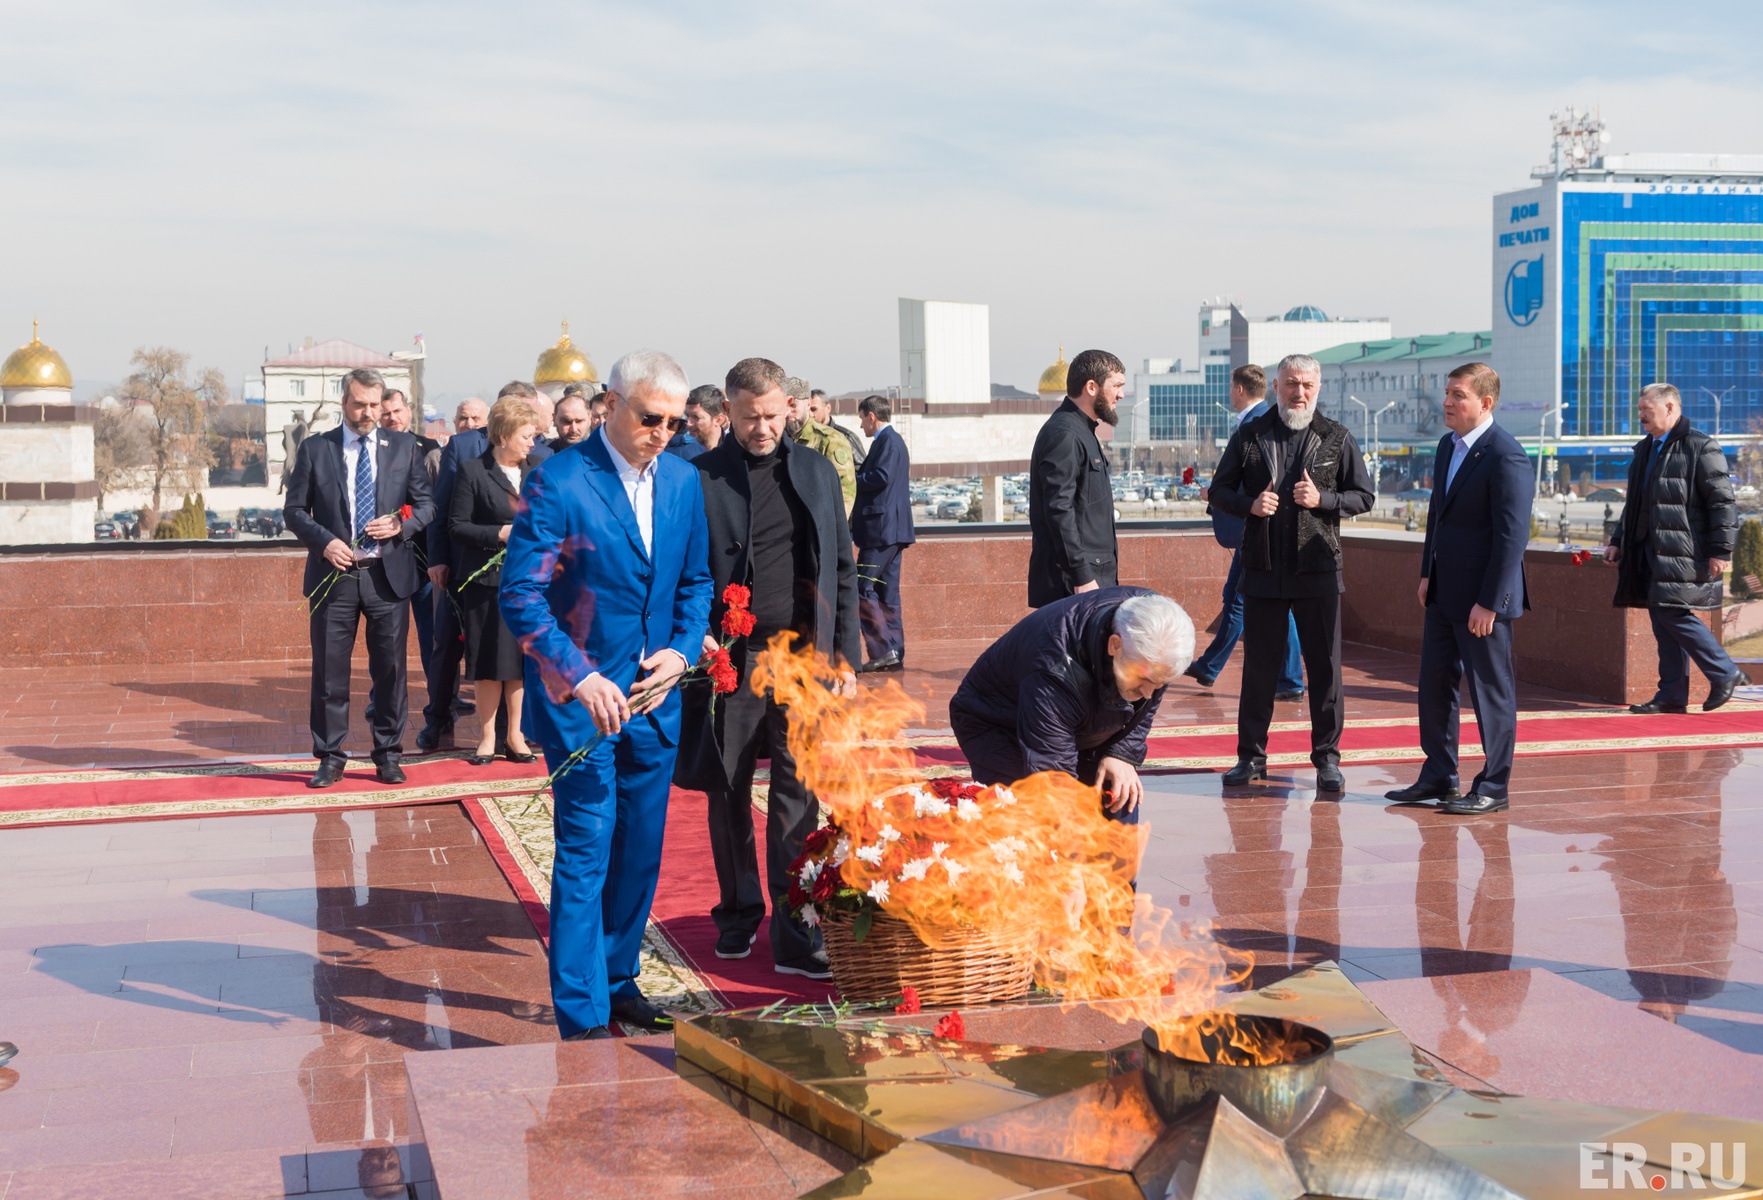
650	367
1661	391
797	388
1155	632
366	377
1298	364
470	400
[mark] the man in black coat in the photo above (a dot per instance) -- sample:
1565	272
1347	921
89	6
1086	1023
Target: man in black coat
1070	497
1673	544
345	502
1074	687
777	526
1293	473
443	669
881	525
1472	588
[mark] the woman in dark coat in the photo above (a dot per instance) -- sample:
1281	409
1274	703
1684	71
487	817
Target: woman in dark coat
485	497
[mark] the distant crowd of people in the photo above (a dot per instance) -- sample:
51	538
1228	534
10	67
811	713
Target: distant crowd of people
575	562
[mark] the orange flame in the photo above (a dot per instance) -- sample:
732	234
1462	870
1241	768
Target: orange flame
1038	856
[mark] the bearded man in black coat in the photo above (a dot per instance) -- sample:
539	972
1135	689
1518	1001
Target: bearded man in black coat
1673	545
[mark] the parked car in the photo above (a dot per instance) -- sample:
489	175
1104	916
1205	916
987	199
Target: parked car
126	523
952	510
220	527
106	531
1187	491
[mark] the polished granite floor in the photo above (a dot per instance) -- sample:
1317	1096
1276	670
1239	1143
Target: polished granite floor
221	1007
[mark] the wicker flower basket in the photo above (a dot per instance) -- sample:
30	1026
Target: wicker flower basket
979	967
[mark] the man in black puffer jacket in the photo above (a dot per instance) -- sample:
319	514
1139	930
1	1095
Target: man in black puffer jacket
1673	544
1074	688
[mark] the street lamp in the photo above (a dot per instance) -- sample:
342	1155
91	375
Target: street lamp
1370	421
1555	410
1717	400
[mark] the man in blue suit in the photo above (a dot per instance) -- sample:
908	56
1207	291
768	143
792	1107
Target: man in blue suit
881	525
607	585
1472	587
443	669
1248	397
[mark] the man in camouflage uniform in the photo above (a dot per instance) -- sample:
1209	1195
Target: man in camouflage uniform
821	438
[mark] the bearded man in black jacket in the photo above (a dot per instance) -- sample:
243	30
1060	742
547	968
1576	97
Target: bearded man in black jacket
1072	548
1293	474
1673	545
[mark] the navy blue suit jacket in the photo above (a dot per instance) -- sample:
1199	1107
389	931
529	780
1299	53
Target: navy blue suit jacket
1477	531
461	447
882	515
582	595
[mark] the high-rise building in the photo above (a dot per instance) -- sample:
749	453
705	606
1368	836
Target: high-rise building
1615	271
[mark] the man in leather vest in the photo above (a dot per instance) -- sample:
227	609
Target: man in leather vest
1293	474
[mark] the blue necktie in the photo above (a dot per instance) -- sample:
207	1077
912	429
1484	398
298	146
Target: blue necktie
1458	447
363	489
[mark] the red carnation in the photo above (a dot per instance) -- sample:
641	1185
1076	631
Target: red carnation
404	512
951	1026
946	788
908	1001
798	897
738	622
723	676
736	596
819	840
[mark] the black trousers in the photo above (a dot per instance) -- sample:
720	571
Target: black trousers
442	664
1449	653
1265	622
878	600
754	725
362	592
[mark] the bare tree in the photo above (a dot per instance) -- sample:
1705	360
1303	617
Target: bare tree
120	449
178	434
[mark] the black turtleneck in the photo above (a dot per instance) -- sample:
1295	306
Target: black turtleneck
782	561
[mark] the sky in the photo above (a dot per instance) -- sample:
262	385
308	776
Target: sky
720	179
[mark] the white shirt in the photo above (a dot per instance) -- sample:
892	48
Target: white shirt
1461	444
351	451
639	487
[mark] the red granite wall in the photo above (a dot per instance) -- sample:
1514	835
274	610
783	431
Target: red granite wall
231	604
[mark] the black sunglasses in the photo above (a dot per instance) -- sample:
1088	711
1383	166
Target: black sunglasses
674	424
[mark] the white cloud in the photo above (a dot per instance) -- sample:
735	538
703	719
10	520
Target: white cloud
725	179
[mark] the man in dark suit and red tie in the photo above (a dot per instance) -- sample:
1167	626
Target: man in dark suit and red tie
358	496
1472	588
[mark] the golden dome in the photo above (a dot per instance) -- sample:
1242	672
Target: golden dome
565	362
1053	378
35	366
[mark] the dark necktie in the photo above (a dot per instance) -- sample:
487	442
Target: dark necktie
363	489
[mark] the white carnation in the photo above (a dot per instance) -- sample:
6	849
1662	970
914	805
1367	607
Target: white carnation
1013	873
1004	797
954	869
811	871
889	834
915	869
878	891
967	810
927	804
937	848
1009	849
871	855
809	917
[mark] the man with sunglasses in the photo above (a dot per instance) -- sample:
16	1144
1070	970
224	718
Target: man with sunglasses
777	527
607	586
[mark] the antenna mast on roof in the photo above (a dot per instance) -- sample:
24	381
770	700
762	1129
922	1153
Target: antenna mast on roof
1579	141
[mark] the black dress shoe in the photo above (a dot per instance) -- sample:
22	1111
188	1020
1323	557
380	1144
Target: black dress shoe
1330	779
1245	770
638	1011
735	943
1204	681
464	708
1721	692
598	1033
1422	793
815	966
1288	697
1474	805
887	662
1656	705
434	738
329	771
390	772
